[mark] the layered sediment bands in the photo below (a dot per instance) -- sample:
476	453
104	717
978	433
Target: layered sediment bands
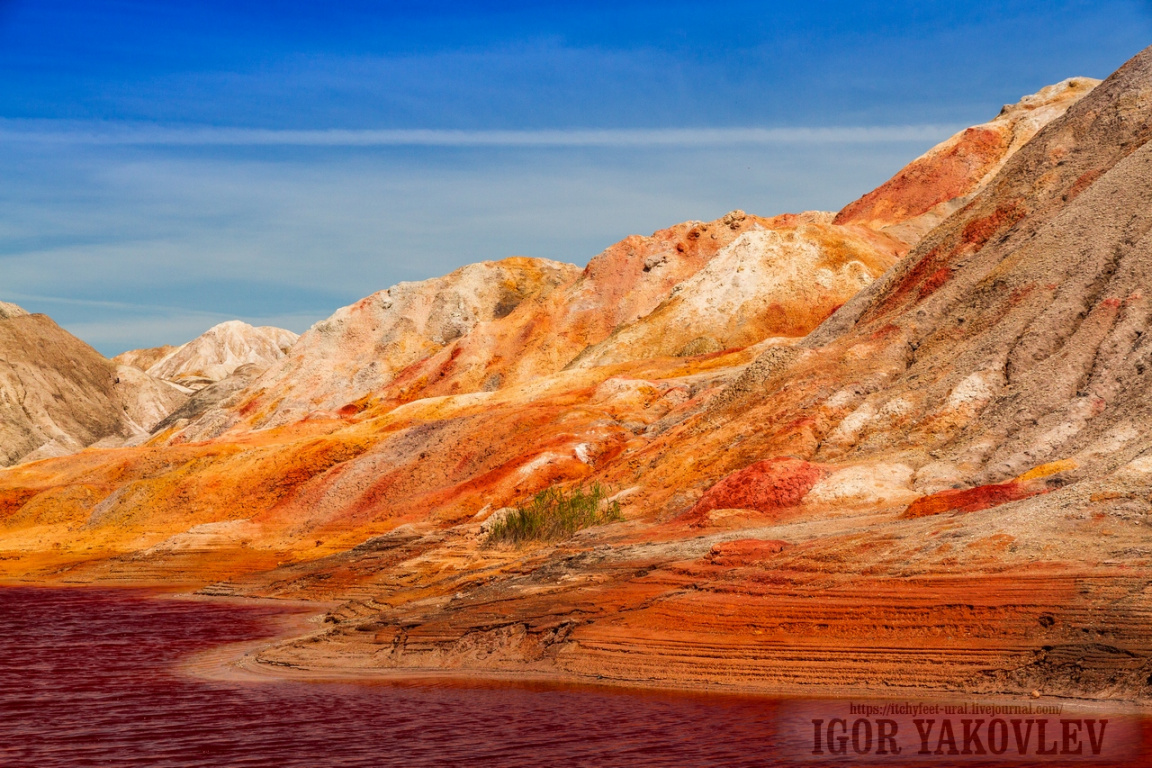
1048	594
705	624
947	484
871	633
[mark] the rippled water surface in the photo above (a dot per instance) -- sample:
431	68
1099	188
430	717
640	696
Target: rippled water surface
87	677
91	677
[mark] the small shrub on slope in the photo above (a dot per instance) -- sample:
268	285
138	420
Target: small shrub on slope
554	513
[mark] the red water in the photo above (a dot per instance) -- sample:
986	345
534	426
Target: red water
87	677
90	677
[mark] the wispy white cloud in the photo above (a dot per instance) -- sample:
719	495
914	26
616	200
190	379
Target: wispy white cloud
56	132
113	305
131	246
117	334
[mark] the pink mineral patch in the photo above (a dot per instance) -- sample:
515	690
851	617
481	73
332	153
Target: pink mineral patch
766	486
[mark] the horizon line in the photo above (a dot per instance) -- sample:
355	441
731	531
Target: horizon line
105	134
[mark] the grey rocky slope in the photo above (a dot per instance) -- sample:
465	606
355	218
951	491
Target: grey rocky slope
1021	325
58	395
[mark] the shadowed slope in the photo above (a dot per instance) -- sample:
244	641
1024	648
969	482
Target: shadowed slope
58	395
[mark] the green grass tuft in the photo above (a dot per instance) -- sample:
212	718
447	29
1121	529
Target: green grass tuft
554	513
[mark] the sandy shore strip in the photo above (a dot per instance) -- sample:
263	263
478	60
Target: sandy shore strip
239	663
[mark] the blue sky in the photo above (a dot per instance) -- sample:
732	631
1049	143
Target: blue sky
166	166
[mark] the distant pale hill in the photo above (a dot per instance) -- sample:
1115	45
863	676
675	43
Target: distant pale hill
213	355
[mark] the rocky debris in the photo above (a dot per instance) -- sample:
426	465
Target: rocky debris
766	486
972	499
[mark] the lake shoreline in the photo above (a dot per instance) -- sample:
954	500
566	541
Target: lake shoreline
301	619
241	662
